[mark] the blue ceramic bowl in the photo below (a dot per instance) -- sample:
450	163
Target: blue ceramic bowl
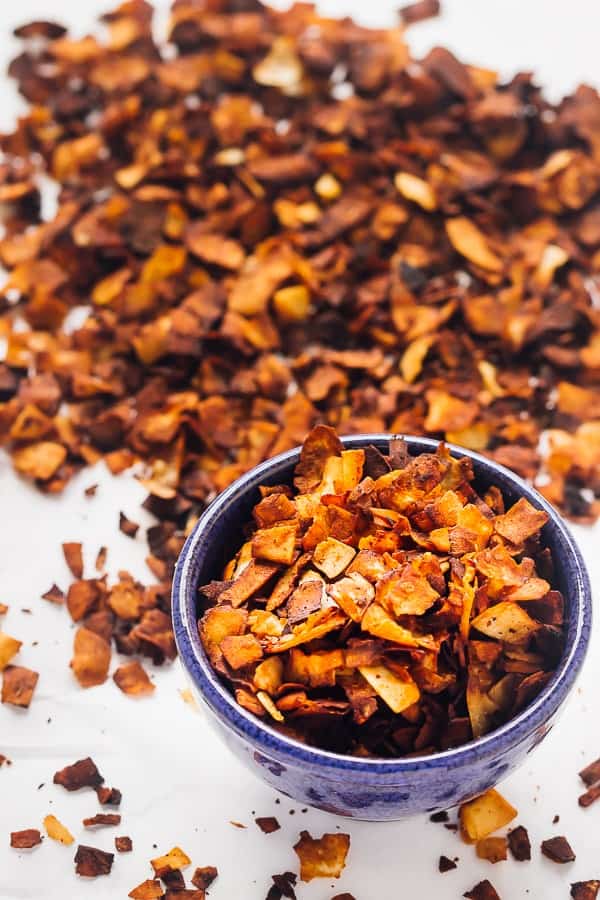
371	789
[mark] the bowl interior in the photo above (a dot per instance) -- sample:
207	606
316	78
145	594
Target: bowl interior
220	532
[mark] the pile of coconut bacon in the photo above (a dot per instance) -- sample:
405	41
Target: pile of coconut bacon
383	606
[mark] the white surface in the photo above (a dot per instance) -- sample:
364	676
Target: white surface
180	786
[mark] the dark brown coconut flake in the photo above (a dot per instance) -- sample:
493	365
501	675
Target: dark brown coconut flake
173	880
558	850
102	819
417	12
204	876
441	816
123	844
585	890
283	886
108	796
92	862
268	824
128	527
519	844
445	864
591	774
26	839
82	773
54	595
590	796
484	890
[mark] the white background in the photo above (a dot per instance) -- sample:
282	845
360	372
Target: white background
180	786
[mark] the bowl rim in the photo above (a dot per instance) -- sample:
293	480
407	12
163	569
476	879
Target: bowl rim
263	736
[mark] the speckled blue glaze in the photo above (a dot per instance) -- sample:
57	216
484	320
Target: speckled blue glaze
371	789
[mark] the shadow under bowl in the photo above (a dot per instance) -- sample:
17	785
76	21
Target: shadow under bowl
372	789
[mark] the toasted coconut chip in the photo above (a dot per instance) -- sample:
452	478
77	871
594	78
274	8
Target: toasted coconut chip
276	544
405	594
175	882
506	622
331	557
316	626
494	849
268	824
41	460
57	831
285	585
54	595
305	600
520	522
26	839
519	844
18	686
123	844
74	558
591	774
268	675
445	864
91	862
267	703
484	890
398	693
219	622
252	578
321	445
204	876
558	850
416	12
323	857
9	647
102	819
82	773
353	595
484	815
147	890
469	241
83	597
417	190
109	796
91	658
283	886
133	679
214	249
585	890
378	622
241	650
174	859
154	633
